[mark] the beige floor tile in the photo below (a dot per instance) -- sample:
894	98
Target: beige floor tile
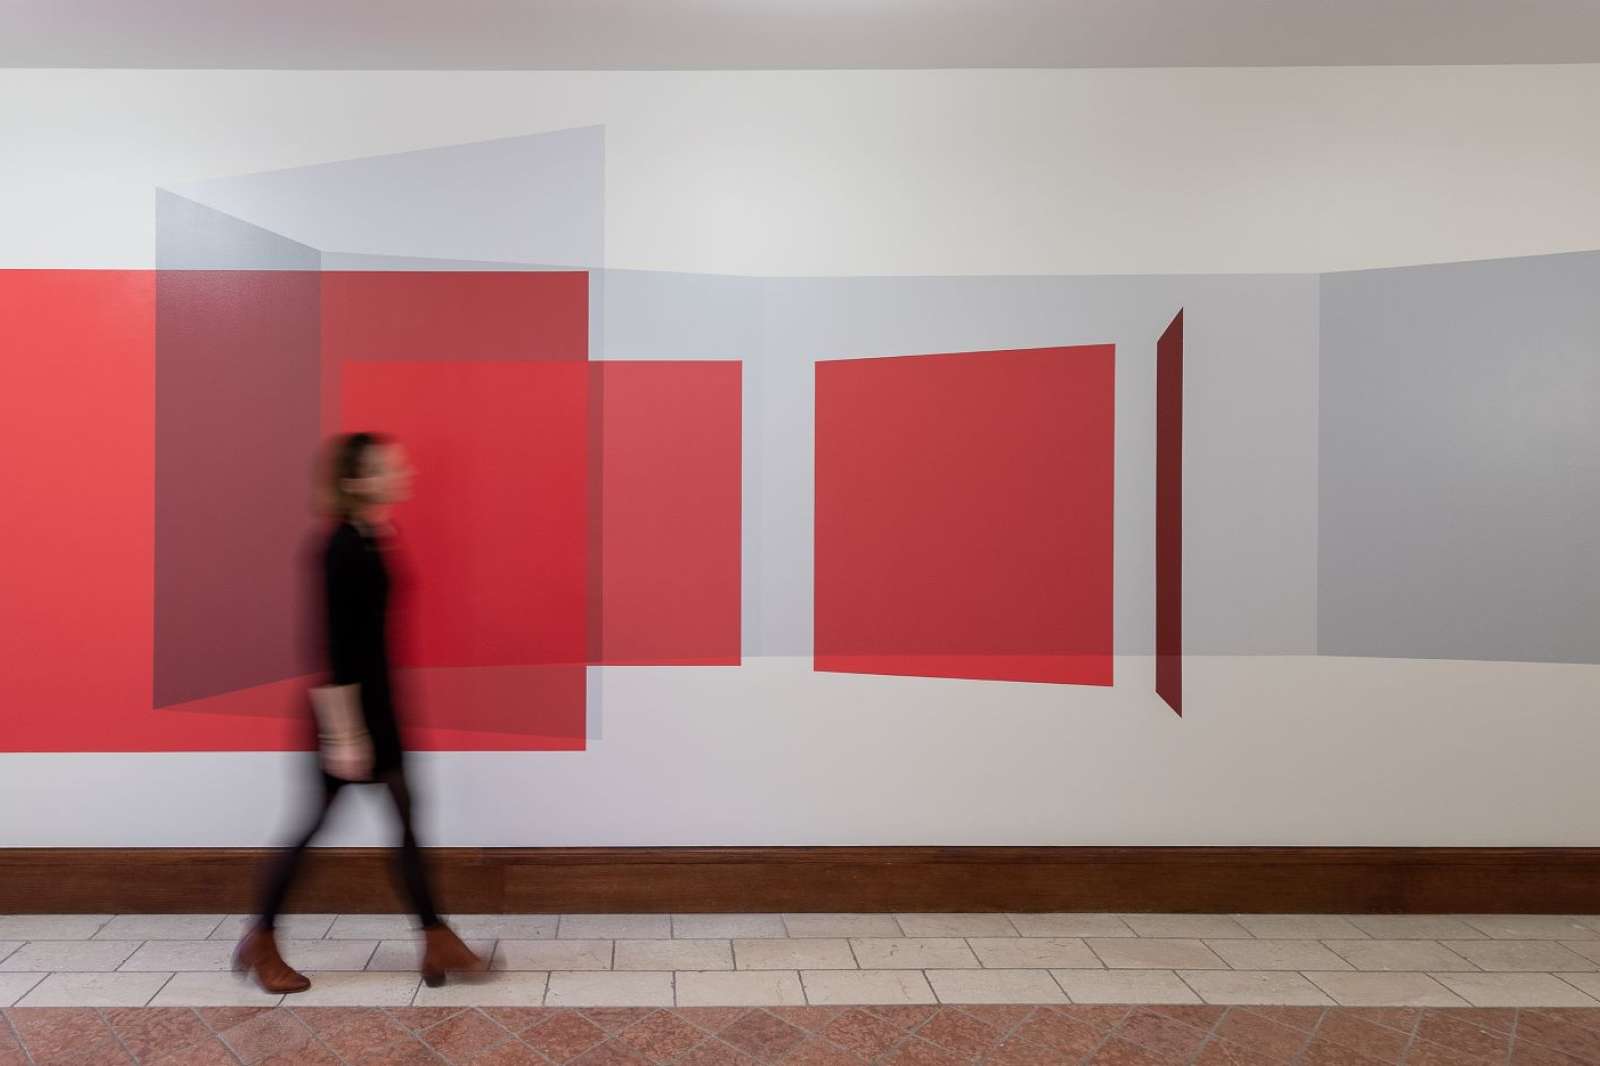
78	956
1416	956
398	956
1034	952
1156	954
1531	926
1589	949
1277	955
343	989
391	956
1255	987
912	953
1191	926
865	987
553	955
1587	983
173	955
673	955
51	926
1299	926
204	989
1515	990
729	926
1071	925
160	927
374	927
505	926
842	925
306	955
1124	986
94	990
495	990
293	926
615	926
1385	990
746	988
13	986
1414	927
933	925
995	986
809	953
1545	956
589	989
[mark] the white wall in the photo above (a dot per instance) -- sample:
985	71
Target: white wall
940	172
910	173
1273	751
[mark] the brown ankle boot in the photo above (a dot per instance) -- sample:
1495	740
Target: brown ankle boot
443	952
258	953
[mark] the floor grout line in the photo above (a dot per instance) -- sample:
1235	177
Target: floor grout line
116	1035
170	978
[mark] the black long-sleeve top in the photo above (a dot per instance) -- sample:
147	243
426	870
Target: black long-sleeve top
356	596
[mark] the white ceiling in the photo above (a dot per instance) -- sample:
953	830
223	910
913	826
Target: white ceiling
752	34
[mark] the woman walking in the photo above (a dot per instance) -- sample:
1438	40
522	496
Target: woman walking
367	474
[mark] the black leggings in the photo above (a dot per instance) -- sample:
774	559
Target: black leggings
280	874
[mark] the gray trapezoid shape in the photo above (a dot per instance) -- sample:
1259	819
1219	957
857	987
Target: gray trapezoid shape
533	198
1459	486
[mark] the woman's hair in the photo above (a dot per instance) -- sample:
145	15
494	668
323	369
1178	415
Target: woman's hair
345	460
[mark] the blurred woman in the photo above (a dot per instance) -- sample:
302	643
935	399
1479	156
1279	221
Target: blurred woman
366	475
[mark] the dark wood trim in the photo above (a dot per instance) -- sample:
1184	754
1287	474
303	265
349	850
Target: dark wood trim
657	880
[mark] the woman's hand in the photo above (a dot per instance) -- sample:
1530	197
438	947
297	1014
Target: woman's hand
346	747
348	757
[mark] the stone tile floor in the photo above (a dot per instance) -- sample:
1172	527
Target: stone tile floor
840	960
995	1035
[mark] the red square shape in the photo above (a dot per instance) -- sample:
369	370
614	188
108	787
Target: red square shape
670	513
77	408
494	547
77	395
964	515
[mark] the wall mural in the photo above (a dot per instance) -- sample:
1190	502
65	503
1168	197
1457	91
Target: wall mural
1012	479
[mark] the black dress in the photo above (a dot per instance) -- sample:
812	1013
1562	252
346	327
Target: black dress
357	589
357	586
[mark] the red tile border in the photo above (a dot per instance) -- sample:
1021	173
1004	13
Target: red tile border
923	1036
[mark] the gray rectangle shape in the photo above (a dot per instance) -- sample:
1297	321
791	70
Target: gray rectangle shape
1460	461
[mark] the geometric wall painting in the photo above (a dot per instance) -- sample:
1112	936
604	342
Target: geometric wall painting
534	199
1458	487
574	510
964	515
76	546
569	512
670	523
1169	515
476	315
495	540
491	565
78	552
237	423
483	376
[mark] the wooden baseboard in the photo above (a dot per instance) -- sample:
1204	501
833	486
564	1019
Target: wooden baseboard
686	880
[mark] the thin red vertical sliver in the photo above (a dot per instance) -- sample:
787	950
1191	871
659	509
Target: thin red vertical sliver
1169	515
